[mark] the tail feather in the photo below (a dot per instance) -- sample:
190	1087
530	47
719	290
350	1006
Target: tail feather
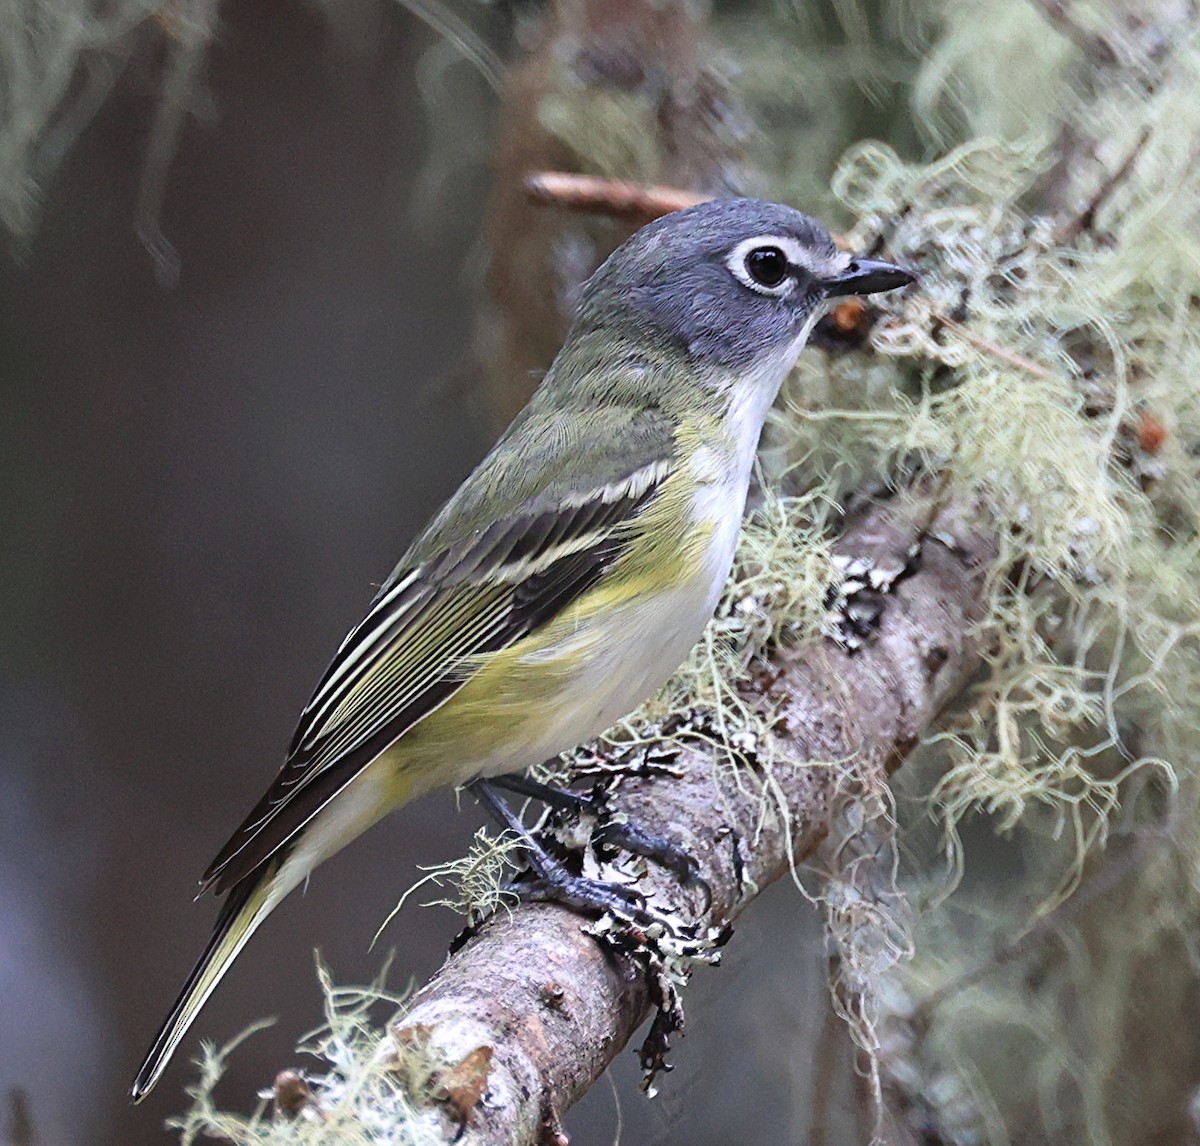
248	904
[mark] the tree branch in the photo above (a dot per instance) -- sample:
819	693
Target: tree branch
554	1004
621	198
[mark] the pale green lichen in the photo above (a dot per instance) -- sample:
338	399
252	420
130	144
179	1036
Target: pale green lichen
477	883
366	1096
1062	395
1043	368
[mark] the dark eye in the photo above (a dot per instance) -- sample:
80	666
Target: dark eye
767	266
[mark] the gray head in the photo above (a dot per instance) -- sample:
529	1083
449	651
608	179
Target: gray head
727	282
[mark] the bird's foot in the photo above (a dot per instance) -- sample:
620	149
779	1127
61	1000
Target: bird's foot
614	831
664	944
622	833
586	896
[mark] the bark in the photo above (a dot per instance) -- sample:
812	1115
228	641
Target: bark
551	1004
637	82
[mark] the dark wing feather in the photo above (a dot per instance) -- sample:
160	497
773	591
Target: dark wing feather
405	658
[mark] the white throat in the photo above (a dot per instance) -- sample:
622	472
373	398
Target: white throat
755	391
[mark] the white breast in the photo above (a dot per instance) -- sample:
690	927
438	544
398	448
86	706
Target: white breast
623	658
646	641
627	656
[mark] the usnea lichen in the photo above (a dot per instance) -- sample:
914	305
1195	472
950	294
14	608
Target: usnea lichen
1040	171
367	1092
1044	369
477	883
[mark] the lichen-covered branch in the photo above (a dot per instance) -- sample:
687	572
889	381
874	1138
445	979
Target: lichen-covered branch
553	1005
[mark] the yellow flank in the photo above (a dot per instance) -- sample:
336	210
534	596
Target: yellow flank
522	704
579	673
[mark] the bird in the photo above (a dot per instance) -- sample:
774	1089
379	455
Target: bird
572	571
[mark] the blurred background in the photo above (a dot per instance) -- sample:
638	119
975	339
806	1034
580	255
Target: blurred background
217	441
200	484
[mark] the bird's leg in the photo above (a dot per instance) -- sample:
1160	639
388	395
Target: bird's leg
615	833
554	882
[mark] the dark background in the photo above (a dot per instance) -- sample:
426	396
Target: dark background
199	487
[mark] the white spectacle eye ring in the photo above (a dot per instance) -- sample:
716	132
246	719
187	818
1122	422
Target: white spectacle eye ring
766	264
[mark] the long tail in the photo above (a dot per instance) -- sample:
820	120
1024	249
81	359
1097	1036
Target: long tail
249	902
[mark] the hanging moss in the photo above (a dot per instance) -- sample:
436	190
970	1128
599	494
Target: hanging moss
1045	367
1037	164
371	1090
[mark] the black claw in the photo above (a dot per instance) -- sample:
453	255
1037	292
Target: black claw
623	834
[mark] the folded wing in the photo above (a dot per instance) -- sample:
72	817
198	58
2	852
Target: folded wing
421	638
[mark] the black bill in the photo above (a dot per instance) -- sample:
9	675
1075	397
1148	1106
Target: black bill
868	276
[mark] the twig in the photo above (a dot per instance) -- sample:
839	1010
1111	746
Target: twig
639	202
643	201
995	350
1086	219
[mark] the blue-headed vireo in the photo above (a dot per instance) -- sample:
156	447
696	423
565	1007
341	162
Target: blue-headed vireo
572	571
